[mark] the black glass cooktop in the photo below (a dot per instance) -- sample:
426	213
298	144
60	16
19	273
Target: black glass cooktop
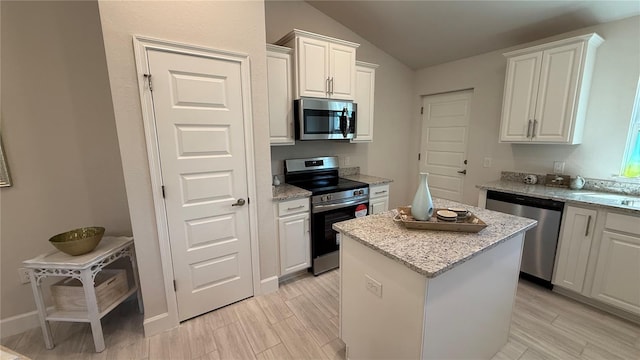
326	186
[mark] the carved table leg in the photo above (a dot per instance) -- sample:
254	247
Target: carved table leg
42	310
92	308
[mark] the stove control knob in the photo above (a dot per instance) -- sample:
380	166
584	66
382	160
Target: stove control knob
355	193
323	198
361	192
329	197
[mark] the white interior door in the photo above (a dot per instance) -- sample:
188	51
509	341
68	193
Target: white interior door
445	123
199	121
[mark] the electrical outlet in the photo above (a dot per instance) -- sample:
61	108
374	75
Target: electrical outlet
24	275
347	161
486	162
558	167
373	286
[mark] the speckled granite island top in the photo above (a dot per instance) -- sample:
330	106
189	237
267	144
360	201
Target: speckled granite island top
628	203
431	253
371	180
288	192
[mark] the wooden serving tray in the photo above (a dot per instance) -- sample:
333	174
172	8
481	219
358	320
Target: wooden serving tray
471	223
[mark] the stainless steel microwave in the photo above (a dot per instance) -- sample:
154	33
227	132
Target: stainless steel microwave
324	119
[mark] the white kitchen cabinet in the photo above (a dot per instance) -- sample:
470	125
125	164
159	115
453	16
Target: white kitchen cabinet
617	275
365	93
280	92
574	246
324	67
293	235
378	198
546	91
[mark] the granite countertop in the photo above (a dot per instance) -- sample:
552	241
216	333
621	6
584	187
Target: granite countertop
285	191
431	253
371	180
624	202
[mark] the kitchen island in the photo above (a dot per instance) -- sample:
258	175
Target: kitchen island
420	294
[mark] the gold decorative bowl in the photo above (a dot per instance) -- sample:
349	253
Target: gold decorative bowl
78	241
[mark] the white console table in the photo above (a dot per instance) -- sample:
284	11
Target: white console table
84	268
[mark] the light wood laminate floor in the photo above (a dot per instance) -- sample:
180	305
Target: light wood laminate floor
300	321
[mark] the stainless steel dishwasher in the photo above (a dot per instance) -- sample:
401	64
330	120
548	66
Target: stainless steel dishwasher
540	242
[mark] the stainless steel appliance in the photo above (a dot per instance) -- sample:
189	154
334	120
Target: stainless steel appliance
540	242
324	119
333	199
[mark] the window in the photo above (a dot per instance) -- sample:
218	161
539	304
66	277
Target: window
631	164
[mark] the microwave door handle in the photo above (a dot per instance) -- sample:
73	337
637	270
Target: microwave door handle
344	127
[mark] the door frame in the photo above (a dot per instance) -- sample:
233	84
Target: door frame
141	45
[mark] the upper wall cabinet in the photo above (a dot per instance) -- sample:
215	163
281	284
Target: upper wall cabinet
365	92
324	67
546	91
280	92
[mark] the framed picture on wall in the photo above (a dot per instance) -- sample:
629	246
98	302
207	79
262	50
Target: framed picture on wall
5	179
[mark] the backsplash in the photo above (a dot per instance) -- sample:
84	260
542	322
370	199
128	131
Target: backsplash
612	186
355	170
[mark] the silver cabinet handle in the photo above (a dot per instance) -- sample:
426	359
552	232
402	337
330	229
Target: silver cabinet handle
533	133
328	86
297	207
586	231
331	83
380	192
240	202
529	130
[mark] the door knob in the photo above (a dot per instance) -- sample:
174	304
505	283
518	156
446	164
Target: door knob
463	172
240	202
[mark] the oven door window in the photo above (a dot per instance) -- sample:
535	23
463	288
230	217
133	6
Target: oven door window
324	239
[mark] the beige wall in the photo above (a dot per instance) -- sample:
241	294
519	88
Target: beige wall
229	25
388	155
59	136
615	77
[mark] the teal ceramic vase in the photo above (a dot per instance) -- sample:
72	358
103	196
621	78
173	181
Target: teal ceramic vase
422	206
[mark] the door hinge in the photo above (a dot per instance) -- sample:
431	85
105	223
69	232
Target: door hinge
162	191
421	108
174	286
418	156
148	77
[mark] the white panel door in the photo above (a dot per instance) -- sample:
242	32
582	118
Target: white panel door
199	120
312	65
445	123
364	97
519	103
295	245
342	72
557	93
279	83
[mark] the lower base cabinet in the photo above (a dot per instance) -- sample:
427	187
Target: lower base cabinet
617	275
294	240
378	198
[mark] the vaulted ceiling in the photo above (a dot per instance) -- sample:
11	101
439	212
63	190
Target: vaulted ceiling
425	33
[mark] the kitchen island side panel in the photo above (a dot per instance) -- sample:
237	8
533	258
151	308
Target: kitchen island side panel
468	308
379	327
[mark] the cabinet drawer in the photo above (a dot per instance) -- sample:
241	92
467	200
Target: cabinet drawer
377	191
293	206
624	223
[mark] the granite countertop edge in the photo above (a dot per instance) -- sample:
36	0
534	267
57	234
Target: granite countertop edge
402	244
369	179
558	194
289	192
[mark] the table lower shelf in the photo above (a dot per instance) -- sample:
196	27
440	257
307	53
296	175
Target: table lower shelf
83	316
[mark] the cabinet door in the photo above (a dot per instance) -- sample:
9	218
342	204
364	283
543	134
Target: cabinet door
378	205
519	103
365	91
556	104
295	247
279	90
573	248
617	276
313	68
342	72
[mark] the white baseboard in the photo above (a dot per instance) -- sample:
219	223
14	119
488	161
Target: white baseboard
268	285
20	323
159	323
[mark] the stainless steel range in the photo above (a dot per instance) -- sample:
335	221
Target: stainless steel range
333	199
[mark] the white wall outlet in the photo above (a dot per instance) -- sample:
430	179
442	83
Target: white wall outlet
486	162
373	286
24	275
558	167
347	161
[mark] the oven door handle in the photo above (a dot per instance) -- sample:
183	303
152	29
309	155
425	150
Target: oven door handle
322	208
